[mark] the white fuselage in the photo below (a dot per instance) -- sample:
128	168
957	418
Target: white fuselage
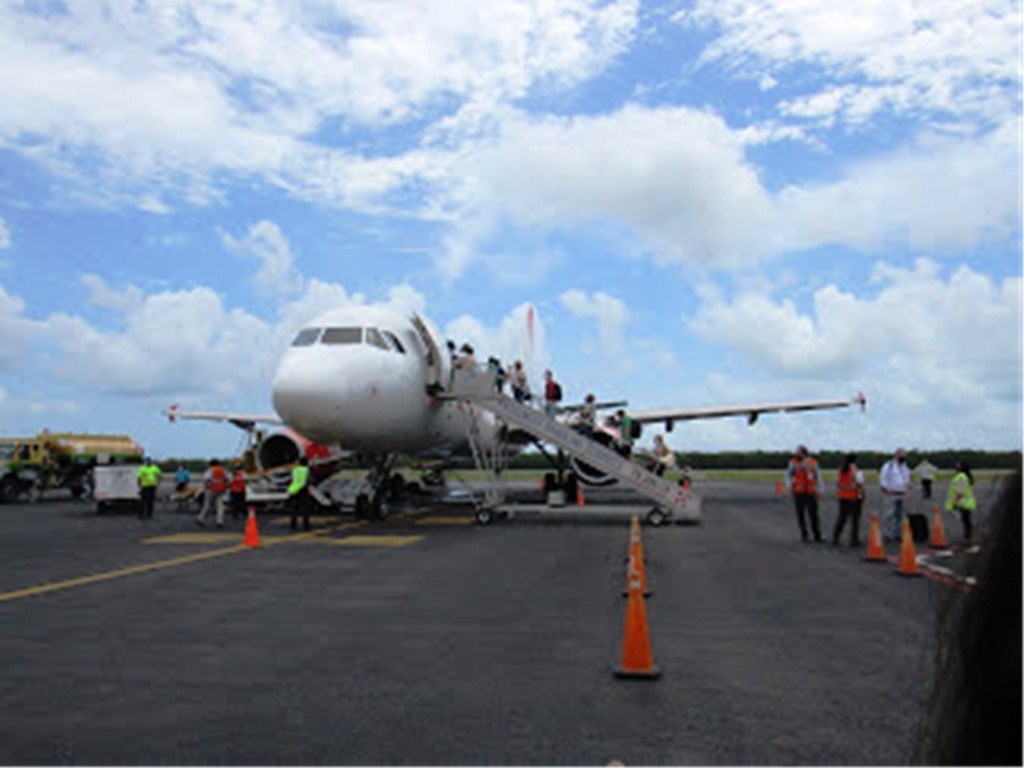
359	377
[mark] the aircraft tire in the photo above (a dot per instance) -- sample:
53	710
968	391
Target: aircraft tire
362	506
9	488
657	517
484	516
396	487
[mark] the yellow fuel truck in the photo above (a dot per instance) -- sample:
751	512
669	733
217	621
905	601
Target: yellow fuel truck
32	465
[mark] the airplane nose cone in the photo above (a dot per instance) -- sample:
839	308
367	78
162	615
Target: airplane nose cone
298	396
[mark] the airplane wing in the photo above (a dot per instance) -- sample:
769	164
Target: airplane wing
601	406
241	420
672	415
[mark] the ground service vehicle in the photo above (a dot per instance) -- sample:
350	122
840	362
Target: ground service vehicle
52	460
115	485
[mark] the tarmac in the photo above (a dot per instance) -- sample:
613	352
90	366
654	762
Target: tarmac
426	639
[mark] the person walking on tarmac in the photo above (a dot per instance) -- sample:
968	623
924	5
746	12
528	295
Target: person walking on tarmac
298	494
850	491
148	478
237	489
894	480
960	498
803	481
181	478
215	482
926	471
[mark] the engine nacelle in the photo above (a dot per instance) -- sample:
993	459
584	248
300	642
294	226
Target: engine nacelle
286	447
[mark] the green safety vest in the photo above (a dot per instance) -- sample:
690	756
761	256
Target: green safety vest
300	476
148	475
960	486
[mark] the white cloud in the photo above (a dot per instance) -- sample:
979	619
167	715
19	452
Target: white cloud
675	175
609	313
139	101
121	299
945	58
173	341
5	236
682	180
15	330
941	194
923	342
267	244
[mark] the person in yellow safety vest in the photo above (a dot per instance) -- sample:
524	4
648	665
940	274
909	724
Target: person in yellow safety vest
237	490
148	478
298	494
960	497
803	480
850	492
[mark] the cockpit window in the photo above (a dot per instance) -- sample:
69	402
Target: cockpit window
373	338
394	341
342	336
306	337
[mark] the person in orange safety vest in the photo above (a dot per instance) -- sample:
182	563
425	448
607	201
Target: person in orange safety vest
850	492
215	482
804	481
237	489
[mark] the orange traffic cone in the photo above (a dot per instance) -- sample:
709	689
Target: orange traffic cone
637	661
938	540
908	556
636	560
252	534
779	489
875	551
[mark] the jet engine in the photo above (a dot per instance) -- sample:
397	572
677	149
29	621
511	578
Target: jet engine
283	448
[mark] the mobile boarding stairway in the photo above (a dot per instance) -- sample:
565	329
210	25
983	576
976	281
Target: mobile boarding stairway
673	502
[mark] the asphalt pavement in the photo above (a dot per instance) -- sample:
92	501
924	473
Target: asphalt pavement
426	639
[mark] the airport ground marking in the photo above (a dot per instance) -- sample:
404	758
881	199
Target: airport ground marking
134	570
376	541
451	520
96	578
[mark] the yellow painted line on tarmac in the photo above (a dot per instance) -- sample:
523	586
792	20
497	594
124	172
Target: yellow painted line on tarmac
96	578
446	521
375	541
195	538
285	520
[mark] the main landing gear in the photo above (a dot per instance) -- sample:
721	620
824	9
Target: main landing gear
386	488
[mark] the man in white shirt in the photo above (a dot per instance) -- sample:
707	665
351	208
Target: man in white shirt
895	481
926	471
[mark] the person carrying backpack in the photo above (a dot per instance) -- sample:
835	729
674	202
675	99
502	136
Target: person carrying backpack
552	394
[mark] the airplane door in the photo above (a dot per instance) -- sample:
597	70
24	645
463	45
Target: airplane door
433	356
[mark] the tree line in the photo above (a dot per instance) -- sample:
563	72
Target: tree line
943	459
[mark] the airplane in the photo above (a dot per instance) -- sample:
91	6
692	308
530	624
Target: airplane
371	380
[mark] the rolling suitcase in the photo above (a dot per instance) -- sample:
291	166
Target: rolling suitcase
918	528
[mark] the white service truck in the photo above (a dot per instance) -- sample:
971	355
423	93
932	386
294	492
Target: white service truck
115	485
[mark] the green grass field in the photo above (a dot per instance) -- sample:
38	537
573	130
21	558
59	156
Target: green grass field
722	475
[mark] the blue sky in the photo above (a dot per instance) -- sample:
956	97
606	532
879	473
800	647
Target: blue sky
708	202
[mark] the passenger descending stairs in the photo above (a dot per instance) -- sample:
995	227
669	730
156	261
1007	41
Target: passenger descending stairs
673	501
